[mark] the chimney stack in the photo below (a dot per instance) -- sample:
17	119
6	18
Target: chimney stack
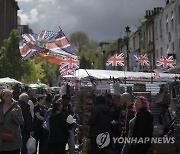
149	13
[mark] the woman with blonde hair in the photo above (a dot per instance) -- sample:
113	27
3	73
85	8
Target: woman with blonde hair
10	121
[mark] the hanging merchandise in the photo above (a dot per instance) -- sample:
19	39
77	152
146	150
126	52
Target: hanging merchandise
162	97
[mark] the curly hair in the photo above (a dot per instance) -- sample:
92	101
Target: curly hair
145	103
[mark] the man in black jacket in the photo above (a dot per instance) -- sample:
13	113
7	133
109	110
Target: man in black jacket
26	128
100	123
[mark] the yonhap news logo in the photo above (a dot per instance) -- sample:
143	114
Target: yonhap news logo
103	140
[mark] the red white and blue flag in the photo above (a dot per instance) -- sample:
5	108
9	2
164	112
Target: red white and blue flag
66	72
68	66
143	60
45	41
116	60
165	62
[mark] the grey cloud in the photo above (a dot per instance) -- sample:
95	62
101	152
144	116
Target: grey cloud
100	19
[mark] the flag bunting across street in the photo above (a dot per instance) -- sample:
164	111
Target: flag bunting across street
116	60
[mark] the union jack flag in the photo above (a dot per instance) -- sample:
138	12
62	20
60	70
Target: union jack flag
66	72
57	43
116	60
165	62
60	41
142	60
68	65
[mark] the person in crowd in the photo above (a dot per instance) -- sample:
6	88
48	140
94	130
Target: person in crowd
48	100
58	129
39	112
130	113
48	105
100	122
56	97
26	128
118	116
31	105
142	127
31	96
11	119
67	110
110	102
16	92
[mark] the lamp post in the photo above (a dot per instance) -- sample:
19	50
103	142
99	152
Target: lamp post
127	30
103	59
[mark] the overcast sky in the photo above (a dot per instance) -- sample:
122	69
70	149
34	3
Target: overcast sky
101	20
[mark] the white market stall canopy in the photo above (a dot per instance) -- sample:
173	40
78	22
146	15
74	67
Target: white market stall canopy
38	85
106	74
8	80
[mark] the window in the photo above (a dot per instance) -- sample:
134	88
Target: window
172	20
161	52
179	13
166	27
173	47
156	30
160	28
167	49
134	43
167	23
166	18
169	37
157	54
150	34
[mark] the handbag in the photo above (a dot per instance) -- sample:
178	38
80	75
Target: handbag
7	136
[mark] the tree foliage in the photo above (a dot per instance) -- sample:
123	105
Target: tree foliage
84	63
35	73
79	40
50	71
29	71
11	64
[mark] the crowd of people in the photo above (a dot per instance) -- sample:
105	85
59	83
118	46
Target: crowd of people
125	118
49	119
